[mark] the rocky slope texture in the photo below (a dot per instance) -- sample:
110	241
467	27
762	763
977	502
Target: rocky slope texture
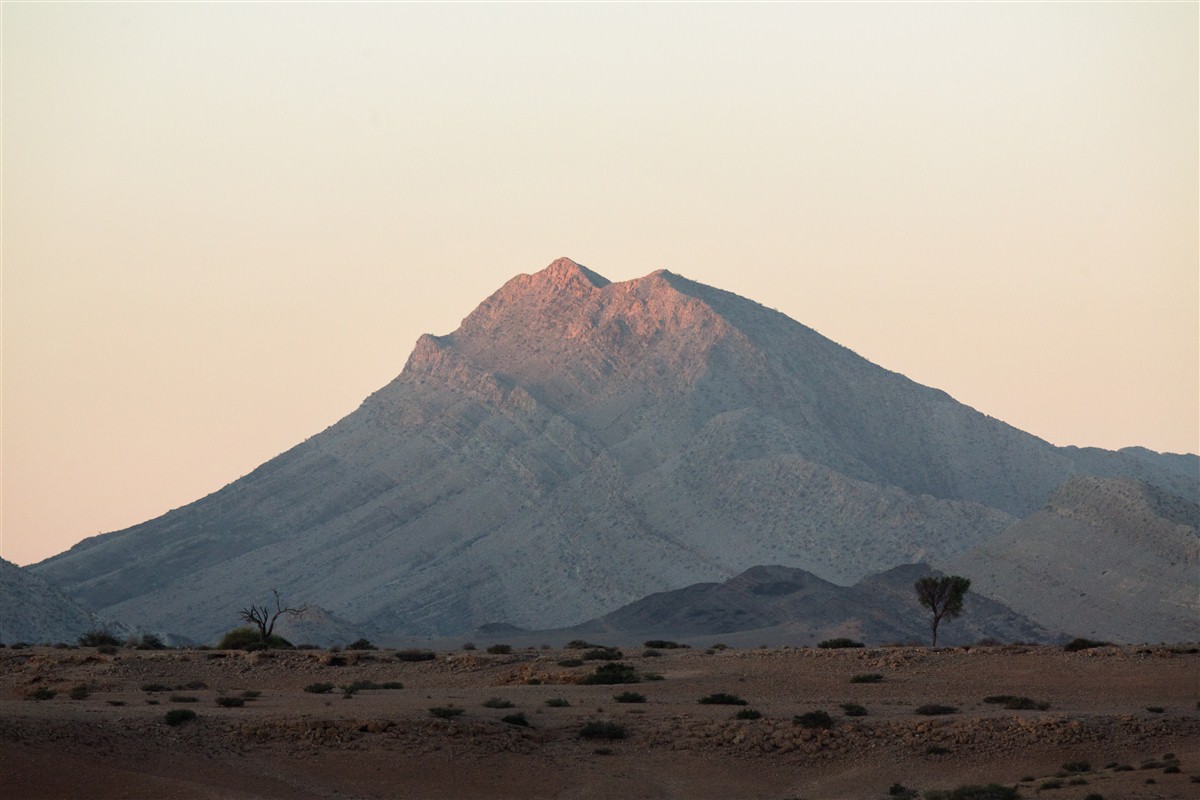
578	444
33	611
1111	559
781	604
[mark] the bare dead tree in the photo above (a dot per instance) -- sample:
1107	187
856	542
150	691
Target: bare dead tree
264	618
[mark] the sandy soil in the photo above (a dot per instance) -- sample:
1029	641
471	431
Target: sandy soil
289	743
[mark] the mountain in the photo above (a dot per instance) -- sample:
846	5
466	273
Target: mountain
1113	559
775	604
576	445
33	611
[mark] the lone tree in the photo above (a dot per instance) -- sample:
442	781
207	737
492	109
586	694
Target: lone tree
943	596
264	619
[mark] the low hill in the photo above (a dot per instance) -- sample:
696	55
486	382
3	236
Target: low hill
778	605
33	611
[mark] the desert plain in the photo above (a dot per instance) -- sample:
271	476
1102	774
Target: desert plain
1114	722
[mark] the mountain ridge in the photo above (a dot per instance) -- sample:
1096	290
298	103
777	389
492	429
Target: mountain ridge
577	444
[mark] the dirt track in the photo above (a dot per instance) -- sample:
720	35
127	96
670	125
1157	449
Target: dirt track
286	742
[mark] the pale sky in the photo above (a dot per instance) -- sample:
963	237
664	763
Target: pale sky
224	225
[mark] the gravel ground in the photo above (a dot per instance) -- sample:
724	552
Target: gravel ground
1110	707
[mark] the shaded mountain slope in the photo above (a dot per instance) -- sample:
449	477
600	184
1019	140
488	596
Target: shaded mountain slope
1112	559
785	605
33	611
578	444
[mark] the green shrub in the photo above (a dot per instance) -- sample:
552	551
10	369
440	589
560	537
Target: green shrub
468	646
1076	645
934	710
611	673
571	662
248	639
155	687
231	702
445	712
319	688
601	730
361	644
937	750
839	643
517	719
867	677
500	649
558	702
178	716
1155	709
415	655
629	697
98	638
151	641
747	713
723	699
853	710
79	691
663	644
390	685
497	702
813	720
603	654
194	685
41	693
580	644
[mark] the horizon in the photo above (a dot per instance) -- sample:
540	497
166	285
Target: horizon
227	225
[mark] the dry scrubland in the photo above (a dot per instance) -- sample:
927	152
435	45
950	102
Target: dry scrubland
1125	719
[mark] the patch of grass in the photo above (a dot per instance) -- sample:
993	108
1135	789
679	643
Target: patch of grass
611	673
79	691
663	644
1053	783
497	702
571	662
934	710
992	791
629	697
231	702
1123	768
1171	769
853	710
1015	703
415	655
194	685
445	712
723	699
839	643
814	720
41	693
1077	766
747	713
500	649
517	719
319	688
182	698
558	702
937	750
601	730
116	702
1075	645
178	716
1155	709
652	676
155	687
867	677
